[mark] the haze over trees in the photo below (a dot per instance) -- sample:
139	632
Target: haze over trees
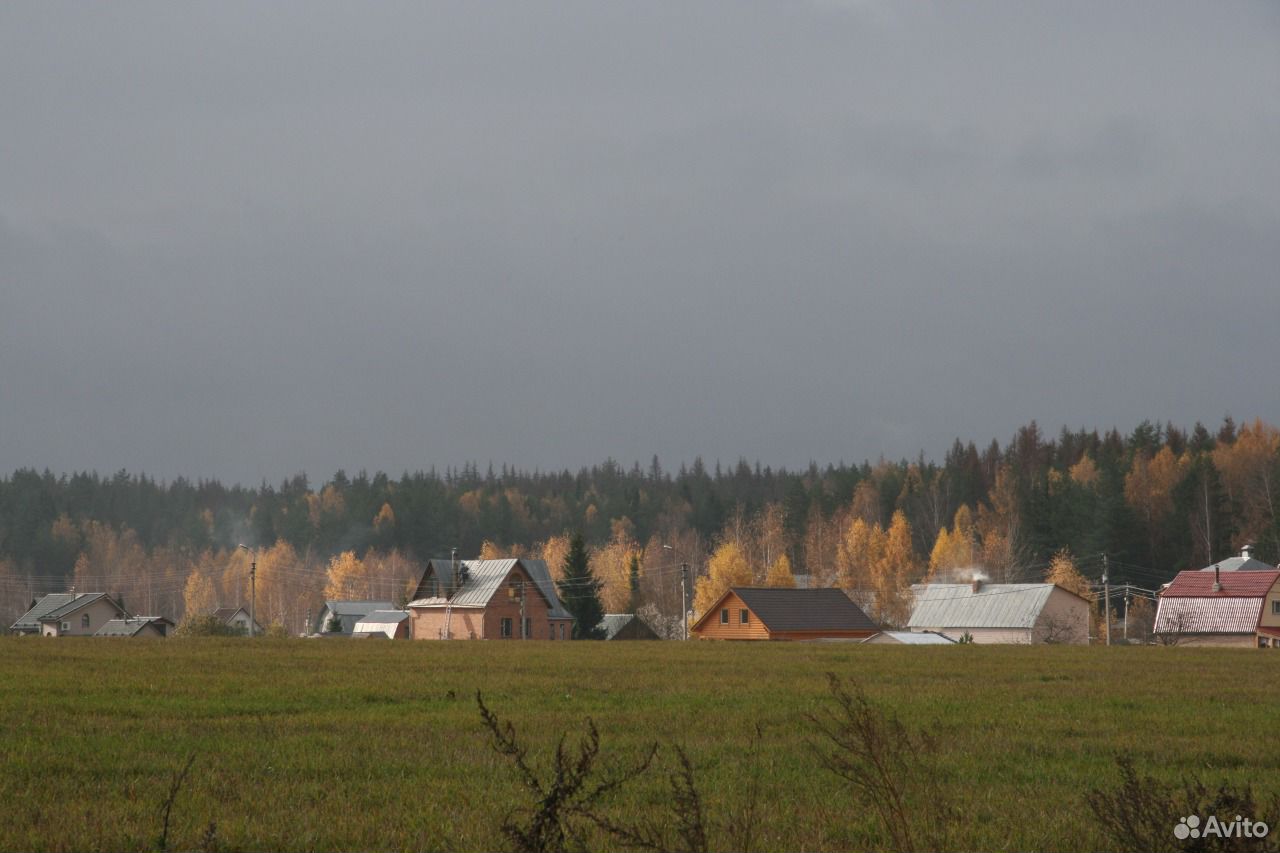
1157	500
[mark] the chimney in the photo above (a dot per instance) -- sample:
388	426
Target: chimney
1217	579
976	584
1246	551
456	579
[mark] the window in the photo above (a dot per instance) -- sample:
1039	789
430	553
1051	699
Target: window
744	616
562	630
84	621
1275	607
66	626
724	616
505	628
551	630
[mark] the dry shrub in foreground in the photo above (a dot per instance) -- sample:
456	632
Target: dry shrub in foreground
891	770
1141	813
570	801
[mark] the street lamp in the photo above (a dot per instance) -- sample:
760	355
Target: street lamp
253	586
684	592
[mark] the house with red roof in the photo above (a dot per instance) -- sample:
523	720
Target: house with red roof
1220	609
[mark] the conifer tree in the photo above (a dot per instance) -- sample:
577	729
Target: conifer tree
580	591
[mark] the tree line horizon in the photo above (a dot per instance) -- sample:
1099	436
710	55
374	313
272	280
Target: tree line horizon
1156	500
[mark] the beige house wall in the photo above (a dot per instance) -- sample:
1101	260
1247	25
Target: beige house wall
1063	620
100	612
1271	608
465	623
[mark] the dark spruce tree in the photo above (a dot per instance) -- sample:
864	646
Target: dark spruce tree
580	591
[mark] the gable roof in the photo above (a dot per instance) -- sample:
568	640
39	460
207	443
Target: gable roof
1199	584
359	609
130	626
1190	605
1240	564
614	623
789	609
30	621
53	607
995	605
484	577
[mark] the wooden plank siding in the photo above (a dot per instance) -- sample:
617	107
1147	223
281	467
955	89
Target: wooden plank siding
713	629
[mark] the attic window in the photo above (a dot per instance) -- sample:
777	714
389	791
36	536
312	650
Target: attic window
724	616
1275	608
744	617
84	621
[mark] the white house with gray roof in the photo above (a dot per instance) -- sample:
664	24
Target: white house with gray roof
1019	613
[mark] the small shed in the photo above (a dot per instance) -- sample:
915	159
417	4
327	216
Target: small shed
626	626
155	627
345	614
392	624
910	638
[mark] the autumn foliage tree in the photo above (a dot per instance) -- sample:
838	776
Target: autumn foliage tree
779	574
728	567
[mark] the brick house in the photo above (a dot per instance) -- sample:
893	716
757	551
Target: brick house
488	599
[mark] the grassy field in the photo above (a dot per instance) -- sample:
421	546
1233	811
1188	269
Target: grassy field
332	745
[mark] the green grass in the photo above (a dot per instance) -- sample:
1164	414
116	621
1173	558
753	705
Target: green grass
332	745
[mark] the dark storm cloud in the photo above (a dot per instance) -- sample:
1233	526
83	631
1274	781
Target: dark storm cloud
246	240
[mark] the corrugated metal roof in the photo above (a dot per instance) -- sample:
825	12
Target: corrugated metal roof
483	577
782	609
995	605
911	638
81	600
356	608
384	617
126	627
30	621
1199	584
1203	615
1241	564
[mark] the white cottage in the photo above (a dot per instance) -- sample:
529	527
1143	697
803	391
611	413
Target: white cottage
1019	613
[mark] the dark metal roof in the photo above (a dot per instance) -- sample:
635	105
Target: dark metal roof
614	624
783	609
30	621
129	627
53	607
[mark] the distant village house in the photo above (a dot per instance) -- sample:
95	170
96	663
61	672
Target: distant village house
779	613
1020	613
488	599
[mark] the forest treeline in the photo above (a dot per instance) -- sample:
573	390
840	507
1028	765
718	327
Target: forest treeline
1155	501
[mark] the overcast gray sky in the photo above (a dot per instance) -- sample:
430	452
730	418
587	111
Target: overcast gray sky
247	240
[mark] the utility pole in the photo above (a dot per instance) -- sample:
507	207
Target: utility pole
1126	613
684	599
253	593
1106	598
253	586
524	635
